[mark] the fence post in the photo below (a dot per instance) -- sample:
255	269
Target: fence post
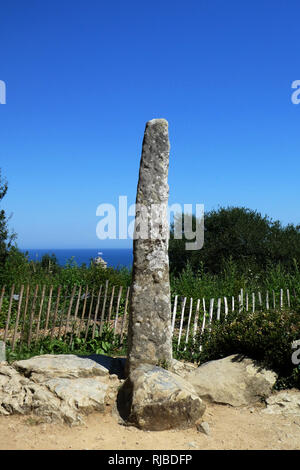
103	307
9	312
25	313
17	319
40	314
260	299
48	311
267	300
96	312
117	310
203	323
247	302
174	313
69	311
288	298
181	321
196	319
219	309
85	295
111	302
211	310
62	314
89	316
1	298
55	312
226	306
253	302
241	301
125	312
32	315
189	321
75	315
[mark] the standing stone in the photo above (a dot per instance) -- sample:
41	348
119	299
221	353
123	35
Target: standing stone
149	331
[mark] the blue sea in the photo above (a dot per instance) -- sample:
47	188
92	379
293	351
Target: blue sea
115	258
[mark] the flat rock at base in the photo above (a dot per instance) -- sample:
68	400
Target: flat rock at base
13	396
55	399
49	407
19	395
234	380
156	399
41	368
285	402
83	394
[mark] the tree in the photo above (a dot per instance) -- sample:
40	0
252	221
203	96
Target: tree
242	235
6	238
50	263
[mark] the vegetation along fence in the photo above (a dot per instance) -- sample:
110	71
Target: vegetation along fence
30	313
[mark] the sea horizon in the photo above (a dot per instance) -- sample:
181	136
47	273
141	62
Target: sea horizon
114	257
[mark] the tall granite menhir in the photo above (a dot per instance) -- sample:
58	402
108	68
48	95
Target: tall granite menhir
149	330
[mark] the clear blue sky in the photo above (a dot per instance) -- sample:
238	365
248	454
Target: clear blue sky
83	77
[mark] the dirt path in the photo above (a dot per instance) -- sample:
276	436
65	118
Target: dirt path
230	428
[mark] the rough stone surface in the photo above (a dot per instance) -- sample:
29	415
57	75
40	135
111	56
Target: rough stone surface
83	394
41	368
56	388
45	404
13	397
2	352
234	380
285	402
149	331
204	428
156	399
182	368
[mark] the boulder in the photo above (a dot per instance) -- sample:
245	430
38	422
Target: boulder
85	395
285	402
49	407
182	368
13	396
41	368
156	399
19	395
61	392
235	380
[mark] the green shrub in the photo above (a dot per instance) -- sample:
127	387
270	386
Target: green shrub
107	343
263	336
4	312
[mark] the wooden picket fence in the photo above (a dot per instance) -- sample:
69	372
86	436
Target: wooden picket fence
202	316
31	313
36	312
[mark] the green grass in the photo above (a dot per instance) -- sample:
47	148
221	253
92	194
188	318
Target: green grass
107	343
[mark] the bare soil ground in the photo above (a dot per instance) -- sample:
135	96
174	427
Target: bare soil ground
230	428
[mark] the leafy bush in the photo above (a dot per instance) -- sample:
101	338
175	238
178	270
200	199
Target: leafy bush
264	336
4	312
107	343
18	269
250	239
